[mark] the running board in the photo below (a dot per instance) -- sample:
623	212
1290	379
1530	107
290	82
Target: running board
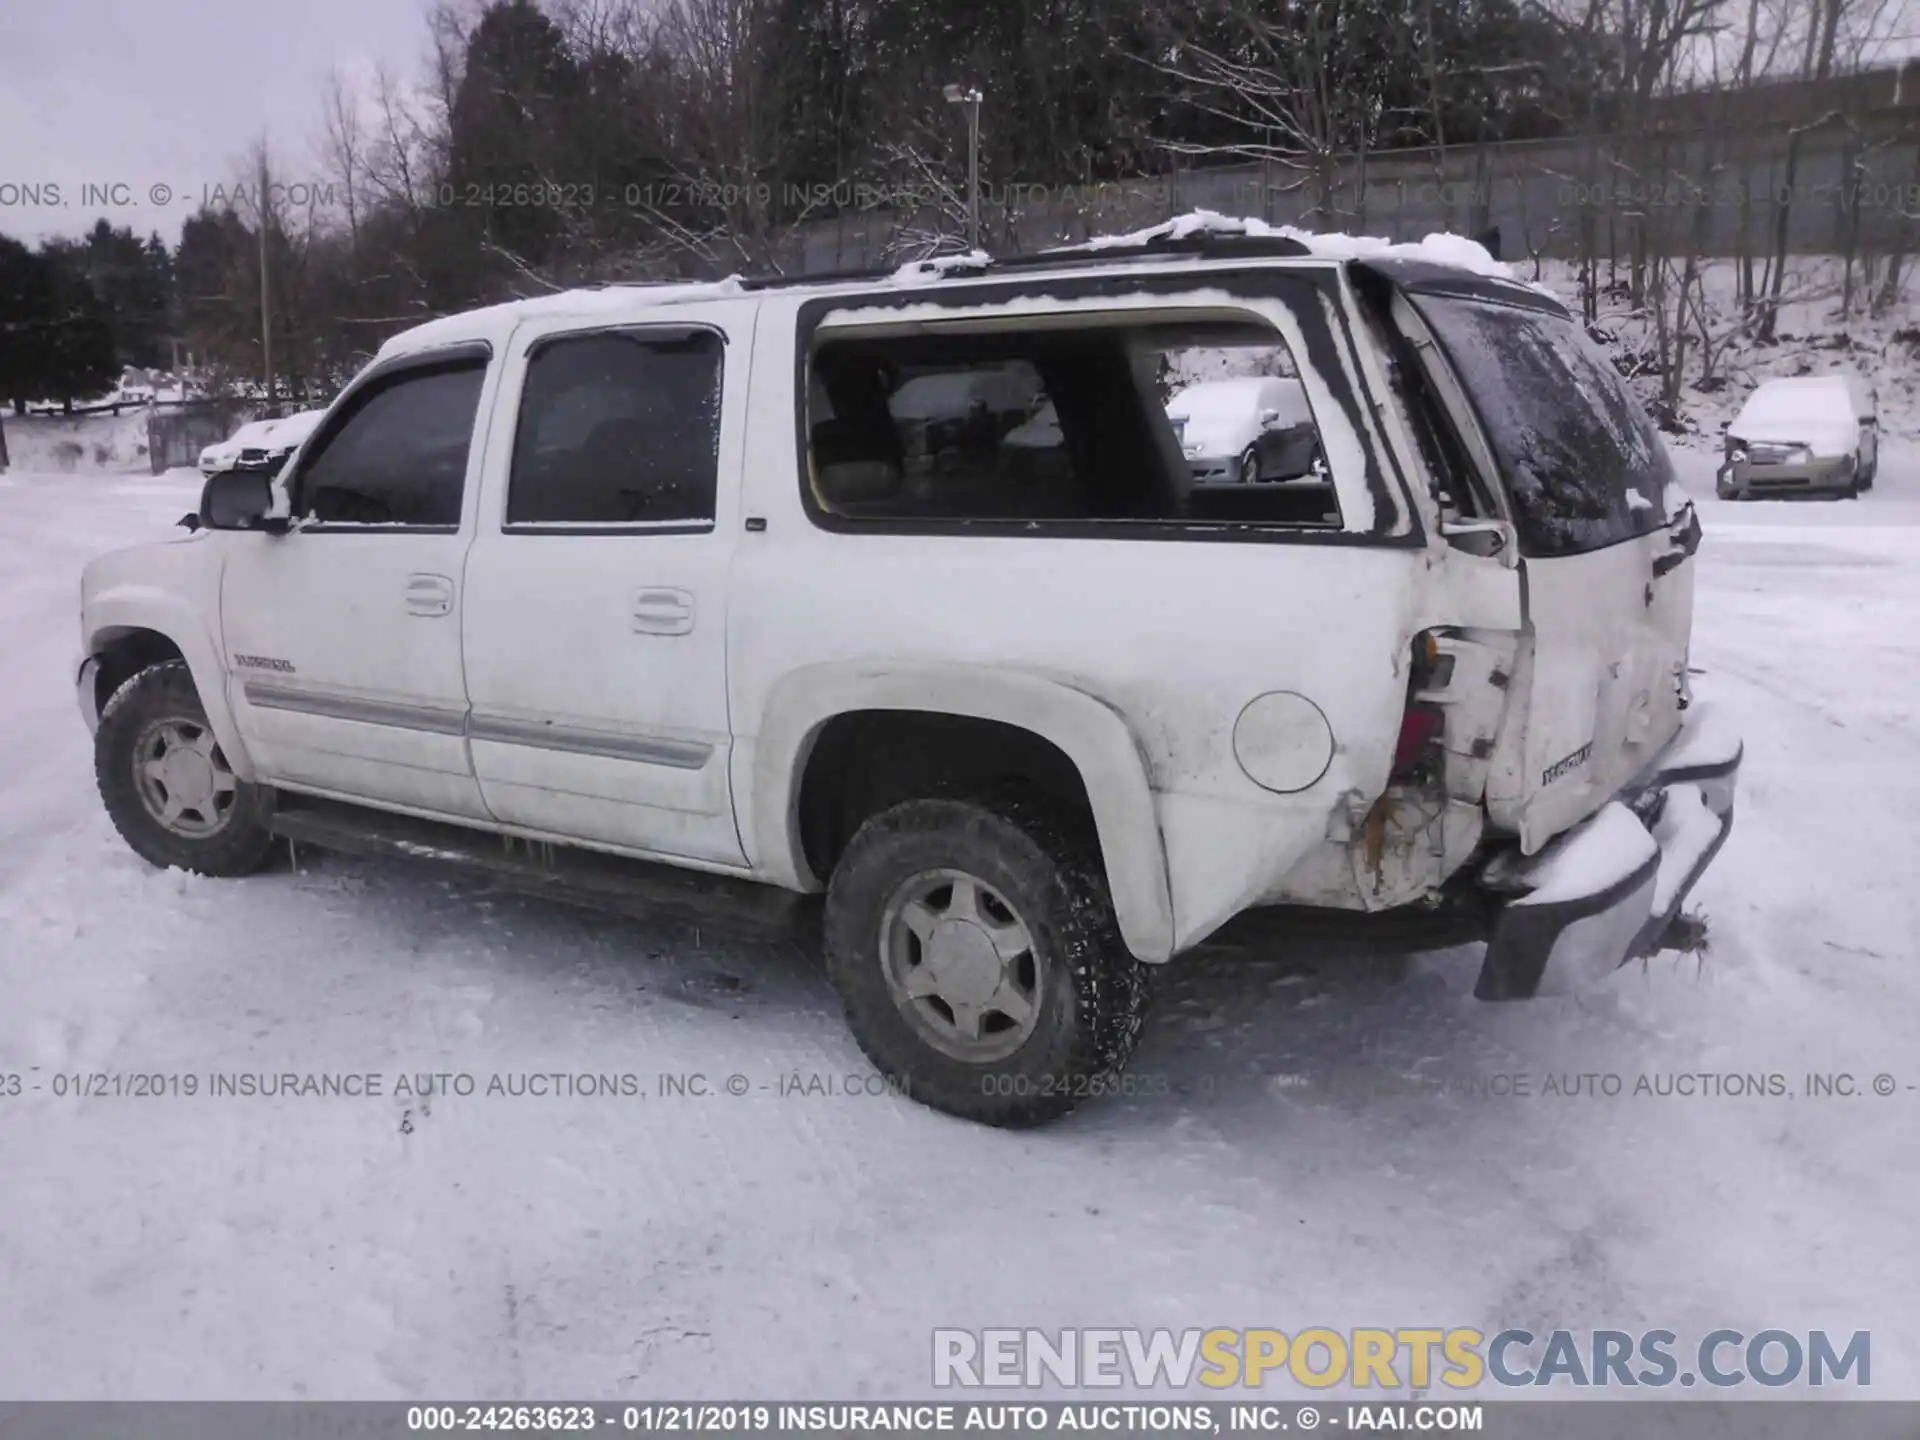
565	873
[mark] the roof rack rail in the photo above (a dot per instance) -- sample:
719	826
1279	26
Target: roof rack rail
1212	243
816	277
1198	242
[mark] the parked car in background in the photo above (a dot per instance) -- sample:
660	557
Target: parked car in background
944	410
1245	431
1802	435
1040	432
260	444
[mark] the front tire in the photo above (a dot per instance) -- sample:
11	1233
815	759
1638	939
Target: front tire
1250	467
973	945
167	785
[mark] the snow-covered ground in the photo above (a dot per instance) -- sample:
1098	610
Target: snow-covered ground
1314	1143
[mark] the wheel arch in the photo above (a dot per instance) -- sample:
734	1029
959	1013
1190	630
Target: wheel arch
130	628
1089	734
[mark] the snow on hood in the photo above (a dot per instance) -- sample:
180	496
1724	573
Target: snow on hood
281	434
1812	410
295	428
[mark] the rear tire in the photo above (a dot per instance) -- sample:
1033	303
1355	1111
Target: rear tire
167	785
973	945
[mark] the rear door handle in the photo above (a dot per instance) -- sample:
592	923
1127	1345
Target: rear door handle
429	595
663	612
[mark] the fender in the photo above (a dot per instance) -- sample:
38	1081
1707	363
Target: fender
135	606
1090	733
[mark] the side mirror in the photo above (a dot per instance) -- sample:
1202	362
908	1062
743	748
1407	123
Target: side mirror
1269	417
236	500
1478	537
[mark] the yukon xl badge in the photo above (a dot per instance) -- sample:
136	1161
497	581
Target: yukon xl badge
264	662
1560	767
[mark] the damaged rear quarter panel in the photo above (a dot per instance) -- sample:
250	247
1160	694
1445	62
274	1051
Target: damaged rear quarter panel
1174	635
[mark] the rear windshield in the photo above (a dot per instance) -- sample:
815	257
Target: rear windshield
1582	464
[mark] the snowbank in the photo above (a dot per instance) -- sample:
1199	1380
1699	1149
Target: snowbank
64	444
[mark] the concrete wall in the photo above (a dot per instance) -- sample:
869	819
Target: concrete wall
1701	188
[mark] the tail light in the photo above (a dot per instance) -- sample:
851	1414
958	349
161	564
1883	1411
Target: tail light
1418	755
1419	749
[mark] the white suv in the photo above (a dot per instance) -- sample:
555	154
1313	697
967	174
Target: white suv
660	577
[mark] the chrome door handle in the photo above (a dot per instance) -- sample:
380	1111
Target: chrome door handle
429	595
663	612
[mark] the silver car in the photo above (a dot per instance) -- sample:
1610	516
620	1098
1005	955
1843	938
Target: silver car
1808	434
1246	431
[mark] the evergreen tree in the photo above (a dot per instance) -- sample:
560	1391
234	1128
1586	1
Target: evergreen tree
514	96
74	353
25	303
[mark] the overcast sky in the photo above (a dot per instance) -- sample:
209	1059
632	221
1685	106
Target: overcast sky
140	94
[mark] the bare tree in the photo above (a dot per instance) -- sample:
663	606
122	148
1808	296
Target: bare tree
1287	88
343	148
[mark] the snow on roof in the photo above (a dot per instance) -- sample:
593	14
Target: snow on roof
1436	249
562	304
925	272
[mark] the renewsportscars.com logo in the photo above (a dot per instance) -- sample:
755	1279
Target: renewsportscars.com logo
1366	1358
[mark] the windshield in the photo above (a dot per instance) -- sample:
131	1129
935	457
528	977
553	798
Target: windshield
1581	462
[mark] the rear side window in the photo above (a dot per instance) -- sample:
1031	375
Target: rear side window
1582	464
618	428
1113	422
398	456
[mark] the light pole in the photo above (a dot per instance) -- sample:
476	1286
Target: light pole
970	96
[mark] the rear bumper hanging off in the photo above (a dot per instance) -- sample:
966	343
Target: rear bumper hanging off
1611	889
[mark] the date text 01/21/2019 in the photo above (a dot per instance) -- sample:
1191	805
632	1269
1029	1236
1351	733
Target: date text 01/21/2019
678	195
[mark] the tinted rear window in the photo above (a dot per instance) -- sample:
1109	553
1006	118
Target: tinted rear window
1582	464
